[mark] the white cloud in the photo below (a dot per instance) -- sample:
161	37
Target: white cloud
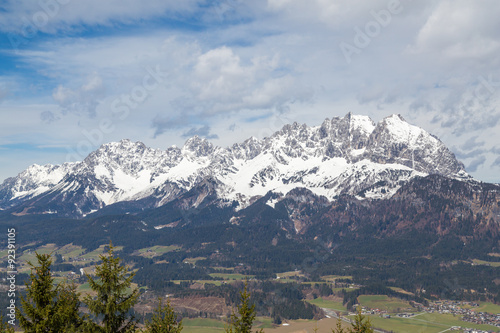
461	29
223	82
82	100
219	74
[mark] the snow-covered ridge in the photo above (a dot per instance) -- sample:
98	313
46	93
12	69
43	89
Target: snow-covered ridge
37	179
341	156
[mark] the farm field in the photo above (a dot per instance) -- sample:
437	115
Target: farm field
402	291
192	261
487	307
286	275
385	303
202	325
157	250
201	329
487	263
424	323
213	325
28	254
230	276
69	252
303	326
328	304
100	250
332	278
397	324
203	282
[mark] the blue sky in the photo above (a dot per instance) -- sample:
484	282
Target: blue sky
77	74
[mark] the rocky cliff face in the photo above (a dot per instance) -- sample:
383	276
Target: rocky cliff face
395	141
348	155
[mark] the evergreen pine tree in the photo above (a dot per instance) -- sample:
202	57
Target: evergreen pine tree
5	327
361	323
164	320
69	304
38	306
47	308
243	323
113	301
339	327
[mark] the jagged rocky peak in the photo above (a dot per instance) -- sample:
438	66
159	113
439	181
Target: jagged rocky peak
198	147
36	179
125	155
41	175
360	128
348	132
289	142
395	141
120	149
398	130
296	130
247	150
361	123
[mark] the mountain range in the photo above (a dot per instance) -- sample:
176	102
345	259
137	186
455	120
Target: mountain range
384	203
348	155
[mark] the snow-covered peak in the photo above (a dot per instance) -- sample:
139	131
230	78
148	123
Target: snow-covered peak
35	180
129	156
402	131
198	147
362	123
246	150
44	174
395	141
123	147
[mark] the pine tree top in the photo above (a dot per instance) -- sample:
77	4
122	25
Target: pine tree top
113	301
